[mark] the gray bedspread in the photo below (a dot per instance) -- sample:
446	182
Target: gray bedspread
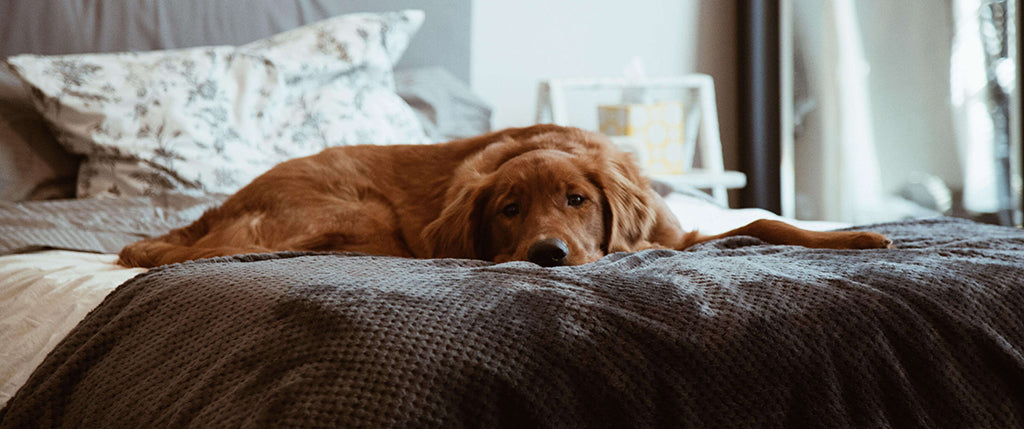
731	333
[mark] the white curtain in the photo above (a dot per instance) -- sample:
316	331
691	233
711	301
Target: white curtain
974	124
899	101
841	174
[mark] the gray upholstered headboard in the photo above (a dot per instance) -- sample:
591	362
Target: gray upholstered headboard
79	26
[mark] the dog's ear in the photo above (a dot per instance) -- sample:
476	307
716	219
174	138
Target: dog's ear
455	232
629	216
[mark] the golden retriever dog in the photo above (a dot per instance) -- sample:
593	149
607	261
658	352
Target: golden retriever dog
547	194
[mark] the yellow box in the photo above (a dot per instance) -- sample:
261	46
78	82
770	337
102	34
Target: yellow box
656	129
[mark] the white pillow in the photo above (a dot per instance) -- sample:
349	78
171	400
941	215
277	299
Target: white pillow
211	119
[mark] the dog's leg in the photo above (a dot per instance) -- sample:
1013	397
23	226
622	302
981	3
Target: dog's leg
154	252
777	232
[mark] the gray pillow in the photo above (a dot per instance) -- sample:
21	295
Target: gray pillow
32	164
446	106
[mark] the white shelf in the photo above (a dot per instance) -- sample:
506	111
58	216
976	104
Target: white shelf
552	107
704	179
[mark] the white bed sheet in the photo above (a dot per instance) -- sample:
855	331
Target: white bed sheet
43	295
695	214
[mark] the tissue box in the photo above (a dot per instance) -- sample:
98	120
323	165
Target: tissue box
654	131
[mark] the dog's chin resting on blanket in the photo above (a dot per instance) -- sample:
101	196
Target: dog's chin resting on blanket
547	194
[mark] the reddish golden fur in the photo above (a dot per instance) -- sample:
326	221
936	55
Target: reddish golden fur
453	200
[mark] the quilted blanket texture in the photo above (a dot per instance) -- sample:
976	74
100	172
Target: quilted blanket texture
730	333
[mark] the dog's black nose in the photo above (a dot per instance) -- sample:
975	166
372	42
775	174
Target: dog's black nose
549	252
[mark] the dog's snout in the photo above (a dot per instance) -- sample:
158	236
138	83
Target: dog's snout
549	252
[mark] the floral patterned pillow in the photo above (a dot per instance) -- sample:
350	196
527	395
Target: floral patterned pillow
211	119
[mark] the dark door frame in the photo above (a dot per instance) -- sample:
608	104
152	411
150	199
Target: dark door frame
760	116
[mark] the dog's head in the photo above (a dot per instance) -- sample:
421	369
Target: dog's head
547	194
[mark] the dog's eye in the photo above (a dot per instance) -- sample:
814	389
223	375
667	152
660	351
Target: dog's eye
510	210
576	199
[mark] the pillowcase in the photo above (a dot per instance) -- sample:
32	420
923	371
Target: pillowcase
211	119
447	107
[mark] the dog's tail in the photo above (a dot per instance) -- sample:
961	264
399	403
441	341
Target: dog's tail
178	246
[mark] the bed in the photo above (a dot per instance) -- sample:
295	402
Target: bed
729	333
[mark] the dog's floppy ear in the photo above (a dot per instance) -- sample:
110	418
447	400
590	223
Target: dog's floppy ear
629	216
455	232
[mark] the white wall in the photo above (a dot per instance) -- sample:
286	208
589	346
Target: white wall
516	44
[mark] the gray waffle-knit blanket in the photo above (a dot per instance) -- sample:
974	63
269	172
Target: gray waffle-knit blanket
731	333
